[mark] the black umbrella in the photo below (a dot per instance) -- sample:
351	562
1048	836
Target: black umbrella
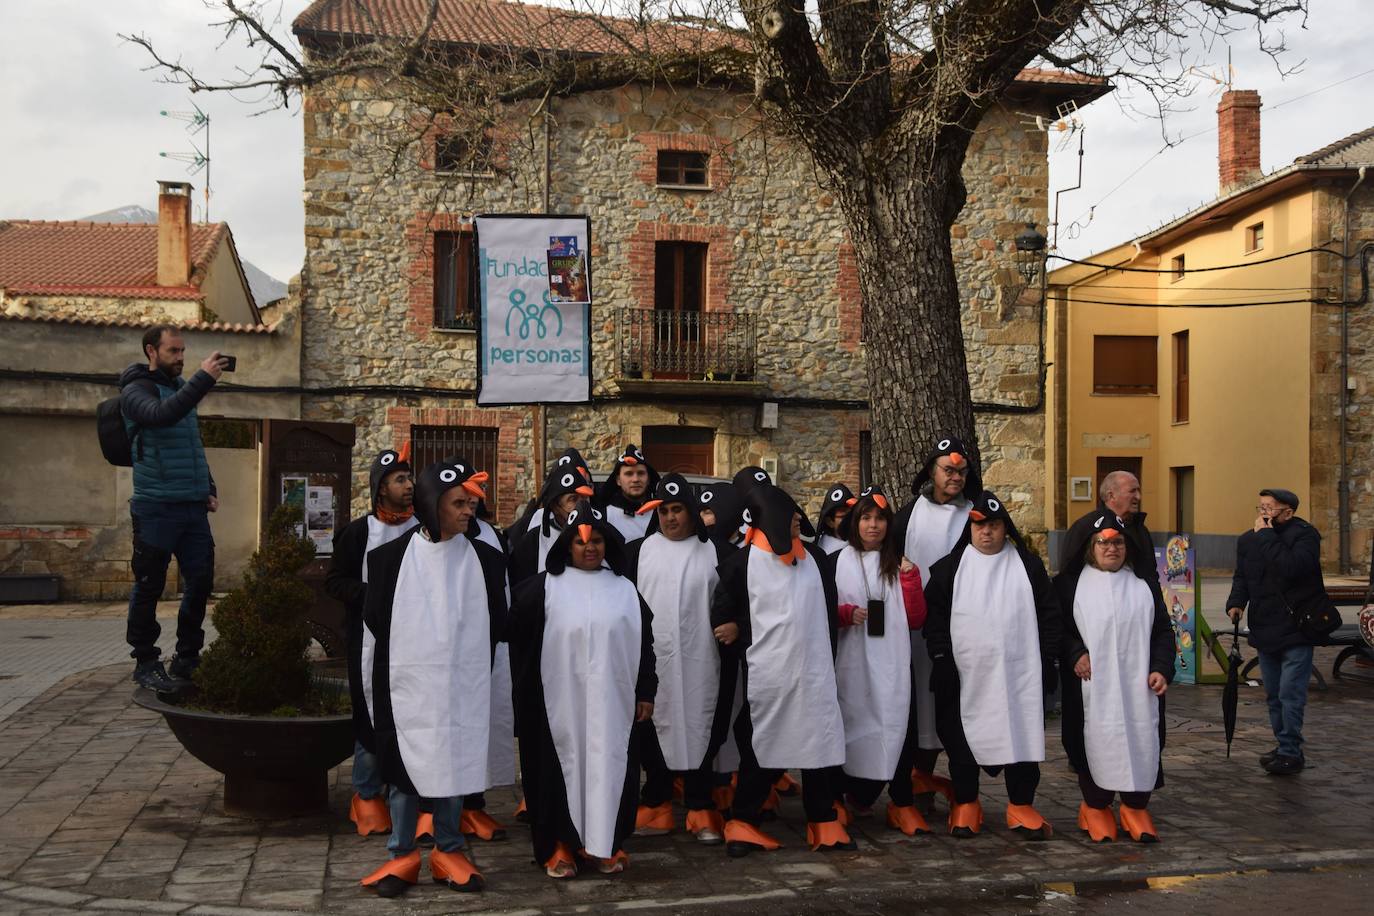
1230	695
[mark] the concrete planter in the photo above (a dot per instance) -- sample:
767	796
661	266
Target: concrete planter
274	767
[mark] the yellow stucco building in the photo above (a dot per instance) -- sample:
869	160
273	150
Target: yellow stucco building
1207	356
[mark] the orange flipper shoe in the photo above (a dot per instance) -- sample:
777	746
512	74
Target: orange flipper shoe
1099	823
395	877
965	820
787	786
369	815
842	813
1025	820
456	871
1139	824
742	838
481	825
424	828
929	783
561	864
707	826
615	864
655	821
906	819
829	836
770	805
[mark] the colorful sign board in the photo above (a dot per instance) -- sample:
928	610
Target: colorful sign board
1176	567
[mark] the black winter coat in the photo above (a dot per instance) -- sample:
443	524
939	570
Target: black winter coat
1273	564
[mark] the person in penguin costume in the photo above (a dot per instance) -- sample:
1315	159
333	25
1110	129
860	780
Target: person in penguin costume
715	502
436	606
583	640
565	486
775	607
993	633
533	516
929	525
880	602
839	499
674	568
392	515
1118	662
624	490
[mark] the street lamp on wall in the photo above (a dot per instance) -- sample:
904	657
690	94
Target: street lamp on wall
1030	254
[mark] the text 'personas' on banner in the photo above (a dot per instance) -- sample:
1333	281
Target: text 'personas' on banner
535	307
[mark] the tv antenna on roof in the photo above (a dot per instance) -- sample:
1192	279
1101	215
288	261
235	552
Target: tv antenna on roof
196	121
1066	122
1222	83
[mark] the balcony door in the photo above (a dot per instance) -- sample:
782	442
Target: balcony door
679	300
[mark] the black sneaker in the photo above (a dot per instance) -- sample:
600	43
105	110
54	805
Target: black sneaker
1284	766
1266	759
152	675
183	666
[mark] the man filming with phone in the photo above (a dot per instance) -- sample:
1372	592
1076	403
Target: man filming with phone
173	494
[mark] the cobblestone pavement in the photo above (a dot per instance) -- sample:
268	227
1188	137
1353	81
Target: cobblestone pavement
101	810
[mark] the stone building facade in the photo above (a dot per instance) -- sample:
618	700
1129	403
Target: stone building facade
779	272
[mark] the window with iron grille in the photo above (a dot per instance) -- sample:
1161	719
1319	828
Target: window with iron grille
687	169
474	444
453	281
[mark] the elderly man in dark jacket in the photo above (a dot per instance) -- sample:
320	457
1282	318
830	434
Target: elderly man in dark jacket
1278	564
1119	492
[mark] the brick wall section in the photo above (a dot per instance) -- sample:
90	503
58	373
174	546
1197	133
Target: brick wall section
420	271
720	168
1238	138
93	563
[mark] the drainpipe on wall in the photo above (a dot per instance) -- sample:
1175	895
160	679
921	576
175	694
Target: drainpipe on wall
1343	497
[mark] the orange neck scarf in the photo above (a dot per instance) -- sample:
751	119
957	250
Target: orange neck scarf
388	517
756	538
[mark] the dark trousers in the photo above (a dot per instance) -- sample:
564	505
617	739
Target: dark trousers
924	758
1098	797
818	786
1022	780
658	779
163	531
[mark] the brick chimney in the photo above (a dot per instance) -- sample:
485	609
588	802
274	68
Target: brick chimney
1238	138
173	233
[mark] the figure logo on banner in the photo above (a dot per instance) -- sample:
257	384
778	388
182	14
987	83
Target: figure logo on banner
532	313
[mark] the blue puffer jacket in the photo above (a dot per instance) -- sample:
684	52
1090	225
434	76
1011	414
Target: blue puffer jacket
160	414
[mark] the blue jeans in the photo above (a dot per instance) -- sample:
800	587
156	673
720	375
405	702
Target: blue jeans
367	779
1285	676
405	812
161	531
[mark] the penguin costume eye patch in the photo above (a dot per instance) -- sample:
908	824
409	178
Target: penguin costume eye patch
567	480
837	495
388	459
707	496
672	488
448	475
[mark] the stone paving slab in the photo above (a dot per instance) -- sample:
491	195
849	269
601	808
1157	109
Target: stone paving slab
102	811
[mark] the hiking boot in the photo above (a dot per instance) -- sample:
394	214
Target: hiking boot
152	675
183	666
1284	766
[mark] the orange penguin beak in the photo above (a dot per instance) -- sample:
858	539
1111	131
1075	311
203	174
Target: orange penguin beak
976	515
851	500
474	484
881	500
585	531
956	459
650	506
1110	533
629	459
585	491
404	454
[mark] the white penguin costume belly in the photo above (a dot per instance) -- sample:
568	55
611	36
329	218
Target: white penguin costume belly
931	534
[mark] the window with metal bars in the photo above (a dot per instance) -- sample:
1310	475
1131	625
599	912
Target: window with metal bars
475	444
453	281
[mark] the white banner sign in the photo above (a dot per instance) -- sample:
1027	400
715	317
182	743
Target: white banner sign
535	298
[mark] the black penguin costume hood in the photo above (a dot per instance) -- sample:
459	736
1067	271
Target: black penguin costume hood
747	478
768	512
986	508
869	496
838	495
949	446
609	494
1104	522
386	462
438	479
583	519
723	501
561	481
571	459
674	488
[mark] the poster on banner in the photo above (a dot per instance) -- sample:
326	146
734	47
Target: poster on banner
319	518
1176	566
534	298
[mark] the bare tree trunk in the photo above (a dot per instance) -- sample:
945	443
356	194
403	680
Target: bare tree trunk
917	371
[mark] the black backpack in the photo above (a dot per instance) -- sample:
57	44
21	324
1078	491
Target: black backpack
115	443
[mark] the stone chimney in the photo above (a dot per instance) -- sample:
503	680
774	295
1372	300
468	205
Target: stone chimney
1238	138
173	233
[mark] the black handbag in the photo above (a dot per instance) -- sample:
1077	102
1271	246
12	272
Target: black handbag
1315	616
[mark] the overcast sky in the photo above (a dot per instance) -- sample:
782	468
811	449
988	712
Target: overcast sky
82	131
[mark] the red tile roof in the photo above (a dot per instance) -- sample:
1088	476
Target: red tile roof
222	327
509	24
113	260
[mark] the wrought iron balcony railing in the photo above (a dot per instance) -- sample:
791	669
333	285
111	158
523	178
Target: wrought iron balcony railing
695	346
